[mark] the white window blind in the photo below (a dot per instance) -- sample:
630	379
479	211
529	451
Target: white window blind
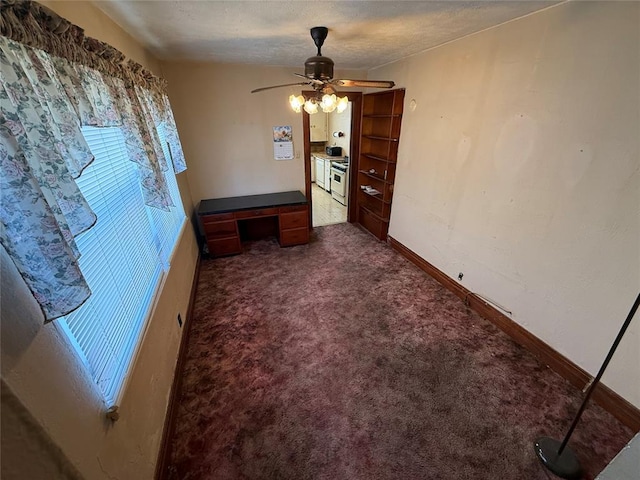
167	225
122	257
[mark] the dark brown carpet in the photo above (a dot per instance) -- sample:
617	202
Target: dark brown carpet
341	360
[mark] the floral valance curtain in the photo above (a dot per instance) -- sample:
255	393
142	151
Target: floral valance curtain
53	81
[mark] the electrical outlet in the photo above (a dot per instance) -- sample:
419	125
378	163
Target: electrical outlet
460	275
180	320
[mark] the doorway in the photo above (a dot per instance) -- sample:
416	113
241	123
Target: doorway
329	203
329	160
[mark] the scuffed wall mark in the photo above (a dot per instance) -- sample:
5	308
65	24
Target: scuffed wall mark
410	200
514	146
108	475
574	164
463	150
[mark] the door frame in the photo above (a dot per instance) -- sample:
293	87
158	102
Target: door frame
354	153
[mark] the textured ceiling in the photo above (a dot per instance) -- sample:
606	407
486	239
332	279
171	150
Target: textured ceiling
362	34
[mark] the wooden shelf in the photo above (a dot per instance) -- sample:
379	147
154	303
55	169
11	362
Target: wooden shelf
376	204
388	139
375	177
379	140
382	116
374	223
380	159
376	196
375	215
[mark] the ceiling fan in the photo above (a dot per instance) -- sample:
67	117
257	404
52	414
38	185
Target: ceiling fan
318	71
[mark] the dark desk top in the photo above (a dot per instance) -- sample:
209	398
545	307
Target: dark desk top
233	204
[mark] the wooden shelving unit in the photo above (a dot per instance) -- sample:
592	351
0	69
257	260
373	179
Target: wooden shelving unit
380	137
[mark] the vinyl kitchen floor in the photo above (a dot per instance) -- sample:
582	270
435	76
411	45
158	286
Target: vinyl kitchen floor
326	210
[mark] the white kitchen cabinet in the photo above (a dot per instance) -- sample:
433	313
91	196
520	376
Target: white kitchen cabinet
318	127
320	172
327	175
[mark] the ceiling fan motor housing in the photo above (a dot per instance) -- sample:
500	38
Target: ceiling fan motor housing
319	68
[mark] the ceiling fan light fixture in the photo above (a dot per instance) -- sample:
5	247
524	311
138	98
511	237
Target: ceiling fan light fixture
343	102
310	106
329	103
296	102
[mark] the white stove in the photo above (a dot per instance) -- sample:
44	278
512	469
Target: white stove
339	181
340	165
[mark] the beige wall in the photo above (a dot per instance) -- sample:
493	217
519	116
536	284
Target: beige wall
340	122
227	131
27	451
520	167
49	382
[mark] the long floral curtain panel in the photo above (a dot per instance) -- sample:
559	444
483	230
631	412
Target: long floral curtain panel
44	101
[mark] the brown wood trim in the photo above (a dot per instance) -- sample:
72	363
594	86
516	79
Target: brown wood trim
354	155
307	163
416	259
164	455
613	403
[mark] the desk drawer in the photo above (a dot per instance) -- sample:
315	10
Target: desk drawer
297	236
220	229
219	217
225	246
294	220
260	212
293	208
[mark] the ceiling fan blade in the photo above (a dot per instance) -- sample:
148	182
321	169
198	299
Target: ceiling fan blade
279	86
364	83
310	80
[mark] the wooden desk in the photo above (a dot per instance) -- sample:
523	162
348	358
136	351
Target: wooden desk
225	221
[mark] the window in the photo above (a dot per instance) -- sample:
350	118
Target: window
167	227
123	257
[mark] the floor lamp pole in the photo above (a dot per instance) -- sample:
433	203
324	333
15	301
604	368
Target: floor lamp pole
553	454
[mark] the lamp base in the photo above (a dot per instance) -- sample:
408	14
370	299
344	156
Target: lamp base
565	465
